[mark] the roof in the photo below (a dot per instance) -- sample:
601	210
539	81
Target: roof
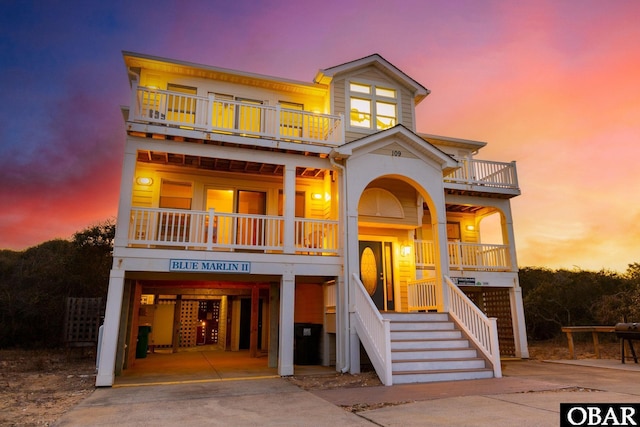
324	76
135	61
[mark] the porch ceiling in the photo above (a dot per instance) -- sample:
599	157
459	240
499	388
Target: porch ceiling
223	165
464	208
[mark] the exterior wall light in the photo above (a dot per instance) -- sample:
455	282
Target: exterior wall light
405	250
316	196
144	180
470	227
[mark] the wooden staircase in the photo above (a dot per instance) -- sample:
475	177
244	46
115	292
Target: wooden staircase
428	347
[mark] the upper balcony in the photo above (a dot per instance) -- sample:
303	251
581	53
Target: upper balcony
232	117
483	176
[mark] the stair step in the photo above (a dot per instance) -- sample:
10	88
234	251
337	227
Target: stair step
441	375
422	317
431	364
426	334
432	344
420	326
429	354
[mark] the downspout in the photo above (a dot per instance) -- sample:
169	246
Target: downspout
345	308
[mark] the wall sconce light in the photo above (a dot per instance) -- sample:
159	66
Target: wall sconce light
316	196
470	227
144	180
405	250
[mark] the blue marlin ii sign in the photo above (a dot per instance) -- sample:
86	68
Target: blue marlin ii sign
200	266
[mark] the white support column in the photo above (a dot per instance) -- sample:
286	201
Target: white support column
508	236
126	194
439	225
519	327
289	208
354	348
109	344
287	306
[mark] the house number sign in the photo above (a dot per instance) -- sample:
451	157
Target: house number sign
190	265
396	153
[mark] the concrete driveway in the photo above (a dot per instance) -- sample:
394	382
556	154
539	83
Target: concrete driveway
529	394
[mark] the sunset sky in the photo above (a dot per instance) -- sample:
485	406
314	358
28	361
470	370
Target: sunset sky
551	84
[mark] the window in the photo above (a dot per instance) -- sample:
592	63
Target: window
290	121
372	107
223	111
181	108
175	195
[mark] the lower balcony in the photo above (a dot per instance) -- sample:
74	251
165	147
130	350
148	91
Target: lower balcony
465	256
221	231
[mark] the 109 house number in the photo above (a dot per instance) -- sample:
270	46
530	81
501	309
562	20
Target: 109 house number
396	153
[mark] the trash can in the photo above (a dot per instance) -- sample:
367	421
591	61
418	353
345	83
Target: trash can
307	344
143	341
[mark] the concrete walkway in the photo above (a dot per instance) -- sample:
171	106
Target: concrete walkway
529	394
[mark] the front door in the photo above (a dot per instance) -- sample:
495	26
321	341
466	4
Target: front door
376	272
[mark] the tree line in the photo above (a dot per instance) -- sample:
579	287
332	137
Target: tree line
35	283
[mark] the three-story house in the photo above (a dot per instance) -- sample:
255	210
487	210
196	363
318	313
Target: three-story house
251	206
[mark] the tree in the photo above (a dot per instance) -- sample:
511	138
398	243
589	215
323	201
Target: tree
35	284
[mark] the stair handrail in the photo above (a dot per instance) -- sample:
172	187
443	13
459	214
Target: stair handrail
481	330
373	330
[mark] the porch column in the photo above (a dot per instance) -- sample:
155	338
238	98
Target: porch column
442	258
109	342
126	194
287	306
255	310
289	208
508	236
133	336
519	327
274	311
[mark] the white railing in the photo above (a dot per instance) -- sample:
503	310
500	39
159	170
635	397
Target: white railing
220	230
330	298
465	256
374	331
235	117
422	294
486	173
480	329
316	235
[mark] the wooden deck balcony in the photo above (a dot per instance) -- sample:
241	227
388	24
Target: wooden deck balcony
465	256
224	116
218	231
484	176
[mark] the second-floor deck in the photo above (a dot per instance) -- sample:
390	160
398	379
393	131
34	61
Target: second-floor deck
220	231
251	120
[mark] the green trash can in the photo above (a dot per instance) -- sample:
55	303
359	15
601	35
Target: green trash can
143	341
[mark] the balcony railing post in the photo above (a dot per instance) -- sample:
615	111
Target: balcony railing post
210	229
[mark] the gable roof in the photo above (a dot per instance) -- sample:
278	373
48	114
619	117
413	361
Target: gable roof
324	76
407	137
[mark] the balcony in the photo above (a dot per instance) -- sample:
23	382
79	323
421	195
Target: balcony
231	117
218	231
465	256
484	176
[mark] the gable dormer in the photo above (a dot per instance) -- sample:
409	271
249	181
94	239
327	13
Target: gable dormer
372	94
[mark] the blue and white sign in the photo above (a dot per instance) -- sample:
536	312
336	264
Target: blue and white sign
199	266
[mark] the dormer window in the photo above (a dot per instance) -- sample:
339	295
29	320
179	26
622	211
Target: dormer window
372	107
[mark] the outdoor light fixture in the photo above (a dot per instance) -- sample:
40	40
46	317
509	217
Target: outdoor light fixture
144	180
470	227
316	196
405	250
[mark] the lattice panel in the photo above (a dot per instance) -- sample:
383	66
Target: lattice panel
495	302
188	323
82	321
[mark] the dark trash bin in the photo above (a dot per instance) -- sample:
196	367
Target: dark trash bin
307	344
143	341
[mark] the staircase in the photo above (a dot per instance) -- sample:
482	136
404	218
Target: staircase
428	347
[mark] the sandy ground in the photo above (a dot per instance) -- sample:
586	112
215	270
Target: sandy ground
37	387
